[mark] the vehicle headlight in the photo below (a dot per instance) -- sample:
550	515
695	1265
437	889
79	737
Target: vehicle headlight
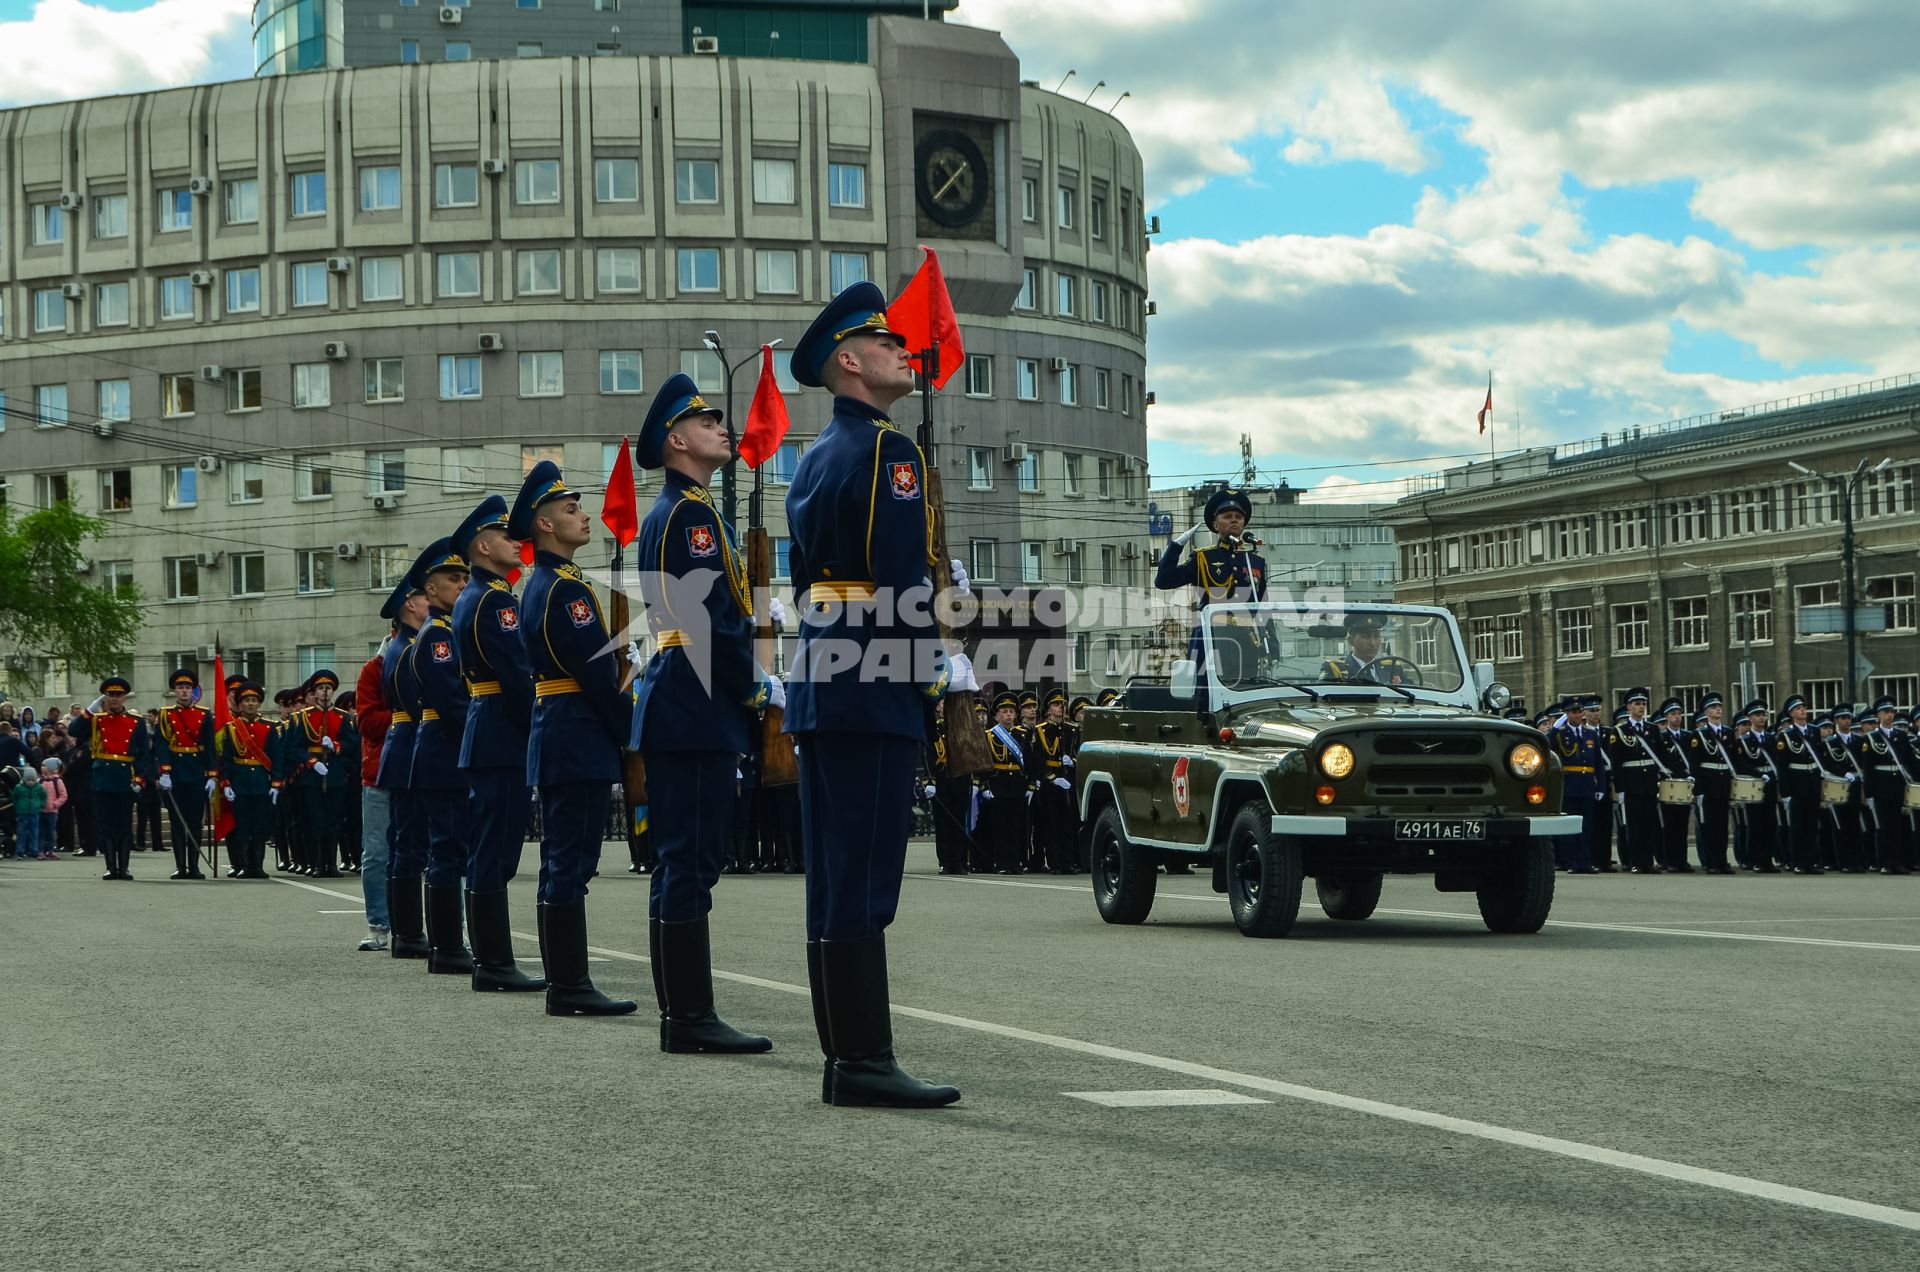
1526	760
1337	760
1497	697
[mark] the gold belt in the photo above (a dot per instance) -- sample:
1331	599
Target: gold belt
671	638
124	759
1578	768
555	687
428	713
839	590
401	717
482	688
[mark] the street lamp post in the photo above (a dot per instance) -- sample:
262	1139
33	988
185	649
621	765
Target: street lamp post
729	474
1849	489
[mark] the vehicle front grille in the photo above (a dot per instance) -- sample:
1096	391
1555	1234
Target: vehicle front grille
1435	744
1390	781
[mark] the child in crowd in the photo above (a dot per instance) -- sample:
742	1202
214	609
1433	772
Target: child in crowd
29	801
9	784
56	788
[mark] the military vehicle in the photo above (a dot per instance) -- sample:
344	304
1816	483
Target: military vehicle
1340	747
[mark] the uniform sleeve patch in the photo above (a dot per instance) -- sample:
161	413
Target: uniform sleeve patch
906	481
508	618
580	611
442	651
701	542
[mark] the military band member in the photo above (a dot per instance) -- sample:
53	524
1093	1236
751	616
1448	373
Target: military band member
867	679
1584	791
1076	719
1108	697
1050	773
244	764
1711	763
439	787
406	609
949	799
183	753
1841	847
120	752
1636	775
1886	790
1751	758
695	710
1003	793
582	716
1798	773
314	778
1668	745
493	741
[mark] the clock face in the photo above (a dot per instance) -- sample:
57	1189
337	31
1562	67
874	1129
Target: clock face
950	180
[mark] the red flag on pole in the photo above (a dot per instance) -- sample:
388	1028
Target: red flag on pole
766	418
923	315
621	510
526	558
222	811
1489	406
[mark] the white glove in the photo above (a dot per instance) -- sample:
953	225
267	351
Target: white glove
93	707
1029	797
326	744
273	796
1853	777
960	674
634	660
1066	761
1599	794
776	612
166	781
1620	797
319	769
927	791
961	583
224	790
1063	783
985	793
776	693
1191	535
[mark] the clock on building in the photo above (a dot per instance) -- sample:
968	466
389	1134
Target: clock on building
952	180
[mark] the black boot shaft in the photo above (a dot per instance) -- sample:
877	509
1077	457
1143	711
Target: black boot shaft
491	931
563	938
689	1023
860	1023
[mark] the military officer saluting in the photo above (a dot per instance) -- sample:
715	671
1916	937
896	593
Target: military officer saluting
867	676
493	742
1226	570
184	755
439	787
582	717
1585	787
120	754
695	709
406	609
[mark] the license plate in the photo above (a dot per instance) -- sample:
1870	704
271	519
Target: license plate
1439	830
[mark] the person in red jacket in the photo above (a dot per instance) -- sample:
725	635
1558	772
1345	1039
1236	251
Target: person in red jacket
372	715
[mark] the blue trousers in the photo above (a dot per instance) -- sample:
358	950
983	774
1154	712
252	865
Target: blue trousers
448	825
406	836
690	802
856	810
498	826
573	817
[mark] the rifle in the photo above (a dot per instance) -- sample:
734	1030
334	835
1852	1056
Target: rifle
966	742
777	764
633	766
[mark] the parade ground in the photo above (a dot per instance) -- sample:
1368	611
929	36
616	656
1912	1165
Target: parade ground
1679	1072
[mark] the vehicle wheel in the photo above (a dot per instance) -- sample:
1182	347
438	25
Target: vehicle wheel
1518	894
1263	873
1351	896
1124	876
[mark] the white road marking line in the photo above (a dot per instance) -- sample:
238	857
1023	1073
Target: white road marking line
1636	928
362	910
325	892
1162	1099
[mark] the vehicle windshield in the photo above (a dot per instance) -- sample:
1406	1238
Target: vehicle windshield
1383	648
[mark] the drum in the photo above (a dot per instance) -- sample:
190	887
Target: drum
1676	790
1833	791
1751	790
1912	797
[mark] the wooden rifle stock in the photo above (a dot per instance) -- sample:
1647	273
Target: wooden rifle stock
633	766
778	767
966	741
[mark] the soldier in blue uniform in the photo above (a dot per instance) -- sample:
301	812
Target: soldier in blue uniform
1636	776
1882	757
1584	790
1226	570
439	787
1799	777
868	673
1841	846
493	744
581	718
1711	763
406	609
120	757
1364	663
695	709
183	752
1750	756
1668	744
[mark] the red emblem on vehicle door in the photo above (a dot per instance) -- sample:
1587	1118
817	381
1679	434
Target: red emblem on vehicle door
1182	787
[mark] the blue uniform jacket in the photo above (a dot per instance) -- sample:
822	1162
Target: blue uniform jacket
299	749
687	549
578	729
493	659
1220	573
1579	749
857	511
396	752
434	666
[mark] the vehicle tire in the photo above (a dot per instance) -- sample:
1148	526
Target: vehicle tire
1351	897
1124	875
1263	873
1519	892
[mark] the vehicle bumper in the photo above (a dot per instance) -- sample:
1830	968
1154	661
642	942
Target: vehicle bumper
1310	824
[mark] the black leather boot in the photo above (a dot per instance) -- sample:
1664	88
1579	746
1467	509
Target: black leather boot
689	1024
861	1025
816	982
491	932
446	947
653	961
563	943
403	918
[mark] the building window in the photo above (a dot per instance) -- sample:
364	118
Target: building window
785	460
536	181
541	375
183	578
1026	379
1626	531
380	278
1512	638
457	274
1887	493
529	48
1814	596
1097	302
979	468
1689	520
1416	562
782	563
386	380
1893	593
243	389
243	201
1570	537
1821	695
1126	395
117	577
1029	199
50	489
456	185
1066	295
179	486
176	209
531	455
1031	561
696	181
1069	205
699	269
1750	618
698	365
380	188
457	51
616	181
247	574
1109	564
1812	503
386	472
110	216
409	52
49	310
114	399
979	375
307	194
459	376
1904	690
844	269
1749	512
620	371
110	302
538	272
387	564
308	281
1576	631
776	273
312	573
846	185
1070	481
773	181
49	223
1483	636
1688	622
176	394
1102	389
1103	478
1097	216
1630	629
1030	472
246	481
50	405
176	297
1069	385
312	384
982	558
243	291
1029	290
463	468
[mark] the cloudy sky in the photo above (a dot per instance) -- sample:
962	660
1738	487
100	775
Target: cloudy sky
1629	212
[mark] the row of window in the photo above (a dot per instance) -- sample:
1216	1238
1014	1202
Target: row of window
1068	216
1106	304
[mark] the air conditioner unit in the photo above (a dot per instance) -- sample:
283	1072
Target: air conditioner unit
492	342
85	565
1066	547
208	463
1131	552
347	551
203	278
209	651
494	167
210	559
389	501
706	44
336	350
212	372
73	291
1057	364
1129	463
452	15
1153	307
339	264
1153	225
71	201
103	429
200	185
1014	453
1151	398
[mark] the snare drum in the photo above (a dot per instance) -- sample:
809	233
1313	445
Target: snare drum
1676	790
1912	797
1833	792
1751	790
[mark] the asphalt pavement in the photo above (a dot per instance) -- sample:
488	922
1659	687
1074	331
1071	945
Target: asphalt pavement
1678	1072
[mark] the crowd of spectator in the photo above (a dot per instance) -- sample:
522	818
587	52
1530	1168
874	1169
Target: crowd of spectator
44	806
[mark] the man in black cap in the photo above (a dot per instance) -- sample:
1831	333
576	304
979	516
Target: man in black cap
1711	764
121	757
243	755
183	753
1887	780
1584	792
315	779
439	787
1636	782
1364	663
1004	789
1751	758
1050	772
1843	849
1667	743
1794	740
406	608
1227	570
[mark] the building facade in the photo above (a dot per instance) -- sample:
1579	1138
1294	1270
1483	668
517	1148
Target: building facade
1707	554
279	333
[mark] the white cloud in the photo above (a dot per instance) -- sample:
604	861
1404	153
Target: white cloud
70	49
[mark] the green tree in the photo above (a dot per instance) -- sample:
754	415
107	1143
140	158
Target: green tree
46	605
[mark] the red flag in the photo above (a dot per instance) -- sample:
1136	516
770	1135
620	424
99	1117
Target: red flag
923	315
1489	406
766	418
526	558
222	811
621	511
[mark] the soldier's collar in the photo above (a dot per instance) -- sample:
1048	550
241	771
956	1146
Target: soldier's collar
854	407
568	570
686	484
552	560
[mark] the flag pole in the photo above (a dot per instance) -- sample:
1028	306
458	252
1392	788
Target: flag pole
1490	427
